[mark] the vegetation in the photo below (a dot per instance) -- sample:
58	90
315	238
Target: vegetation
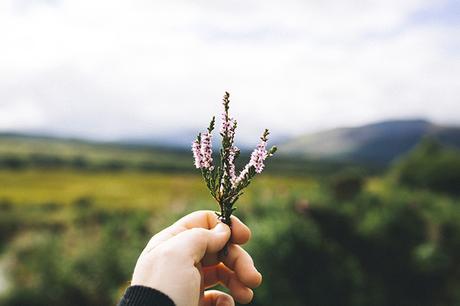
71	237
432	167
20	153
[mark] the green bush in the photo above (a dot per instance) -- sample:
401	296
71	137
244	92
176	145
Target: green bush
87	265
347	184
381	252
431	166
395	247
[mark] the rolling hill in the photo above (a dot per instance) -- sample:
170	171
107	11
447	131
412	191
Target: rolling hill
324	152
378	143
22	151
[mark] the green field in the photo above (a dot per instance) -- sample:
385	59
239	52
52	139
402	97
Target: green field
74	216
129	189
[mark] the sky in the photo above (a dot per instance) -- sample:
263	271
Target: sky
113	69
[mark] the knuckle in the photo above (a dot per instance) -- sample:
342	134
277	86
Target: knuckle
164	251
199	233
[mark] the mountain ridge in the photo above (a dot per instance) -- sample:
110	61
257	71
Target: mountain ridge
379	142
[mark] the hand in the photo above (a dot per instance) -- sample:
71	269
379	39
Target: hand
183	260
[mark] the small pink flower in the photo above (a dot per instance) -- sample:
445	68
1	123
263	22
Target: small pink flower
228	126
242	175
258	157
196	149
206	151
231	160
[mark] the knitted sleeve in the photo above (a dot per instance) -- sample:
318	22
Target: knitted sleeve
144	296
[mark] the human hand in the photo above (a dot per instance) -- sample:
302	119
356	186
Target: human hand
183	260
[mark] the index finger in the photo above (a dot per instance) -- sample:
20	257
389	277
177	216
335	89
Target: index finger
207	219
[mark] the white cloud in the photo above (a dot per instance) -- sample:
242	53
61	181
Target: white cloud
118	68
20	114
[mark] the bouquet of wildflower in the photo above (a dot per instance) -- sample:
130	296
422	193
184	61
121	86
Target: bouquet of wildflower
222	181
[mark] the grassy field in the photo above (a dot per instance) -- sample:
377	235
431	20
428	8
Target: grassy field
75	215
129	189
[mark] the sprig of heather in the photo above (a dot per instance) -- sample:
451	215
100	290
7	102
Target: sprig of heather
233	155
206	151
223	183
256	163
196	149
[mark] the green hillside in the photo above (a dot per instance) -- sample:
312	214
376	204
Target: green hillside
22	151
378	143
29	152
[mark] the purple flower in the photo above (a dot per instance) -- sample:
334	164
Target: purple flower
231	160
242	175
206	151
196	149
228	126
202	151
258	156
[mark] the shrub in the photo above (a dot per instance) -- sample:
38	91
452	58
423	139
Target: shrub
431	166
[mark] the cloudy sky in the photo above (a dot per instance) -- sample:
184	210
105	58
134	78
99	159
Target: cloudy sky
113	69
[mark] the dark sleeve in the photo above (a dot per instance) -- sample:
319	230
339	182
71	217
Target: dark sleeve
144	296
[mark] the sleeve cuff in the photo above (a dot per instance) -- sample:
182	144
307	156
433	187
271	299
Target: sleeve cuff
145	296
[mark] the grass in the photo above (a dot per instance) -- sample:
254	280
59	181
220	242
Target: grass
26	152
93	153
129	189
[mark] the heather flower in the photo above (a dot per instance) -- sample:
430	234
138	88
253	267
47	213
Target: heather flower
196	149
202	149
233	153
223	183
228	126
242	175
258	157
227	122
206	151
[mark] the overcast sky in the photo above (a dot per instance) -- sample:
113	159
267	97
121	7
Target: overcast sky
113	69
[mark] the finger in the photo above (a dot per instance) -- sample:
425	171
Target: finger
238	260
196	242
200	219
240	232
217	298
223	275
242	264
207	219
162	236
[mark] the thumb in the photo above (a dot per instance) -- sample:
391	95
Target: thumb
217	298
199	241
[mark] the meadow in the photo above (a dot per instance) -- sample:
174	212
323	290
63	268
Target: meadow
323	233
127	189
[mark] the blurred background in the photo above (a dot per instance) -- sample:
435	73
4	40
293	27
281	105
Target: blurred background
100	101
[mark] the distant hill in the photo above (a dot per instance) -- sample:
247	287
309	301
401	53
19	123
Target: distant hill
23	151
380	142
